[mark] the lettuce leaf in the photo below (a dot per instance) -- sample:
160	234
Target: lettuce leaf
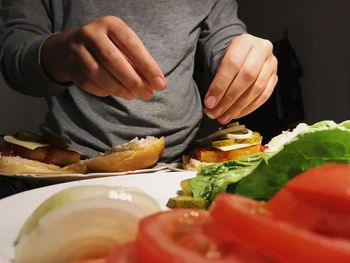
324	142
215	178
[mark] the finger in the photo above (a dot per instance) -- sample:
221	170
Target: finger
255	90
130	44
81	81
116	63
262	98
227	70
98	75
258	102
85	84
91	87
251	68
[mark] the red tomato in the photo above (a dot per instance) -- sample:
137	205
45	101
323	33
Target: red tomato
125	253
329	183
96	260
182	235
318	200
250	222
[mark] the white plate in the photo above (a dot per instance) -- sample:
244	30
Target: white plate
14	210
74	177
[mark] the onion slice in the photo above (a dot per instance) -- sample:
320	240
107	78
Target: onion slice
82	222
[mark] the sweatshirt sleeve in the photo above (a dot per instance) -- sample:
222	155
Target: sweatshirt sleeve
26	24
218	29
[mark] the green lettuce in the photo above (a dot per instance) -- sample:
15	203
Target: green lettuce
261	175
215	178
324	142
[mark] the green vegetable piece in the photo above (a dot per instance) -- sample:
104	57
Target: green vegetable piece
215	178
185	201
186	187
346	124
25	135
56	140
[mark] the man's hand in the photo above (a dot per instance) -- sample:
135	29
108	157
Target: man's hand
245	79
104	57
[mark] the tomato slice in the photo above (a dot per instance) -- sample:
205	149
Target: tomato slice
250	222
329	183
95	260
125	253
185	235
317	200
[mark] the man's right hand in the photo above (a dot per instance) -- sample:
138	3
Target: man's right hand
104	57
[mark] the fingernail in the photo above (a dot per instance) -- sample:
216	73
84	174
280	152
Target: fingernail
210	116
210	102
131	95
225	118
159	83
147	95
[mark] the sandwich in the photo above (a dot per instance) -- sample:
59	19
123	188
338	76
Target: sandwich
27	152
228	143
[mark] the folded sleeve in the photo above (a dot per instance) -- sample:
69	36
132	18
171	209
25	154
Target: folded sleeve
26	24
218	29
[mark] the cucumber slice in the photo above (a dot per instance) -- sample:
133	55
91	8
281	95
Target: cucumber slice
221	132
185	201
186	187
25	135
56	140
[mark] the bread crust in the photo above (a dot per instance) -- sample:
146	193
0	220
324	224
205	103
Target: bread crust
211	155
46	154
19	165
134	155
192	164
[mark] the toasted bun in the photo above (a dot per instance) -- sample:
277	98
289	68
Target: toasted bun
18	165
134	155
192	164
212	155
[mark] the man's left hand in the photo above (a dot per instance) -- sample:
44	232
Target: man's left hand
245	79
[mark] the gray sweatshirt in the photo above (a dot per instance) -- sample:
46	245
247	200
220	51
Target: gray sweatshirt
174	31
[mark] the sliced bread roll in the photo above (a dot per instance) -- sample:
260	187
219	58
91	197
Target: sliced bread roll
134	155
19	165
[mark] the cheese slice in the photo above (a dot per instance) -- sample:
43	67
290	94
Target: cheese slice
25	144
233	146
